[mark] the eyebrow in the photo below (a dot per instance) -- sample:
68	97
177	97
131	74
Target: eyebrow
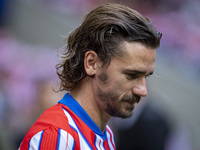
136	72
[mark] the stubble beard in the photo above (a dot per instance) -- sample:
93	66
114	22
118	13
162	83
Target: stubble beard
115	107
111	102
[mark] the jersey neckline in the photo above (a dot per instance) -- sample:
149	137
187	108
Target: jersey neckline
70	102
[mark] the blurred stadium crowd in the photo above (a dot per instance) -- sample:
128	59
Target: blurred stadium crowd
27	70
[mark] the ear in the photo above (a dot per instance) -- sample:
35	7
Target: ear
90	61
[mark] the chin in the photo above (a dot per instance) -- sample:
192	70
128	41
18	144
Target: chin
124	115
121	111
127	113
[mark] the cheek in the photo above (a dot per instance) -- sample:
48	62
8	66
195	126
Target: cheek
117	81
107	99
112	84
107	96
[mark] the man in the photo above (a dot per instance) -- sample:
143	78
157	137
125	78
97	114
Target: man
105	65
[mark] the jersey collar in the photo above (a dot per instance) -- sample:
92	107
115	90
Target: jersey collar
70	102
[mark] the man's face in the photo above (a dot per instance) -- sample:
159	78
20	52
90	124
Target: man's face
121	84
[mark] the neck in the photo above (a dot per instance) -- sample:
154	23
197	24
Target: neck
83	94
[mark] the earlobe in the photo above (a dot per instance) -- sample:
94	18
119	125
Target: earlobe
90	61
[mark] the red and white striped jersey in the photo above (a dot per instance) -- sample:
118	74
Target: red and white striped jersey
66	126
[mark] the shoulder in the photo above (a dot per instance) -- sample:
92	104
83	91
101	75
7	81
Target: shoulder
49	138
52	117
50	131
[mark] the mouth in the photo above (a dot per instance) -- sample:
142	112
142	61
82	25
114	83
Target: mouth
130	104
132	100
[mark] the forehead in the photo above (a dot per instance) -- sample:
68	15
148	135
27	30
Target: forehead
135	56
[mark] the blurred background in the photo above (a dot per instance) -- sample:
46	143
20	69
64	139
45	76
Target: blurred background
33	32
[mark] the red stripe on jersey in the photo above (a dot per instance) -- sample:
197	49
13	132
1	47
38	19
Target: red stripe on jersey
49	139
67	141
100	145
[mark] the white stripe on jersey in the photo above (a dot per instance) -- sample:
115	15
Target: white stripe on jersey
110	138
66	141
35	141
84	145
99	142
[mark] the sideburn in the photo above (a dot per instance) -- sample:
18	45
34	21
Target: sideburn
103	77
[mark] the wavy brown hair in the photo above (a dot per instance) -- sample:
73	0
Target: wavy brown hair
102	31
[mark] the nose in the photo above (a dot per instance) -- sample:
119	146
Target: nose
140	88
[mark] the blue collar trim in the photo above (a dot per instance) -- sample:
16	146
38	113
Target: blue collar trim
70	102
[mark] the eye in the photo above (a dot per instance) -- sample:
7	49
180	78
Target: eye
147	76
132	76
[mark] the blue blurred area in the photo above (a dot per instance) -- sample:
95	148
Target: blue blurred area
32	32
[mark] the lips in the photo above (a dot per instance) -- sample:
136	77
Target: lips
130	102
133	100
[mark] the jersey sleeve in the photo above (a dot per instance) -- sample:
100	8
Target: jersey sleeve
51	138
